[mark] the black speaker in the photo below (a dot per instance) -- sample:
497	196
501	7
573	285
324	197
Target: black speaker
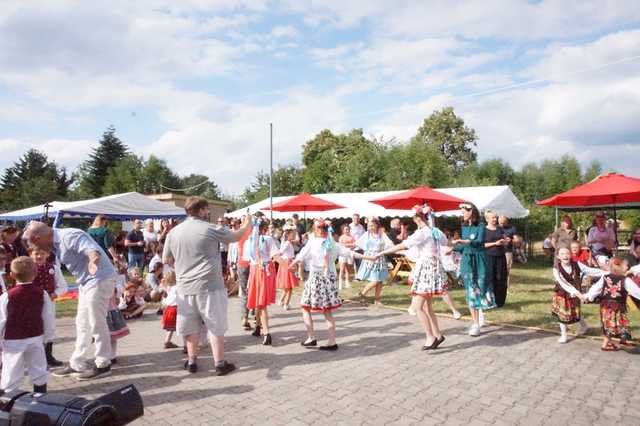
117	408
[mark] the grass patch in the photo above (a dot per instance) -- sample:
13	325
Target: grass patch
528	301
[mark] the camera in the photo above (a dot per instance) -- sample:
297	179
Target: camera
116	408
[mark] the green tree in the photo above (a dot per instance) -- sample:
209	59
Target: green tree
203	186
33	179
154	175
287	180
451	137
414	164
594	169
93	172
342	163
124	176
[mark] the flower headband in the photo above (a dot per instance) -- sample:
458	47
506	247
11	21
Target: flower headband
420	209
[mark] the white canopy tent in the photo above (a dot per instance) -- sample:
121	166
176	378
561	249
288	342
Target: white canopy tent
126	206
497	198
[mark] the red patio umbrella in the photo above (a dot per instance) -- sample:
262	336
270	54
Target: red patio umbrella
438	201
304	202
612	189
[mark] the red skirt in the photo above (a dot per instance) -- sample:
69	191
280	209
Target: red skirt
286	278
169	318
262	286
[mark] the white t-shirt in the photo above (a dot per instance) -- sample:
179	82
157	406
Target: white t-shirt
149	236
356	230
597	238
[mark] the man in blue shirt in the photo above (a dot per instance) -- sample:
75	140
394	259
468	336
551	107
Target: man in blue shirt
95	276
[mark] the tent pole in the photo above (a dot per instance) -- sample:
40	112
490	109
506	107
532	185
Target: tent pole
615	223
271	171
557	217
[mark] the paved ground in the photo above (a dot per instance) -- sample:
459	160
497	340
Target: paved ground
379	376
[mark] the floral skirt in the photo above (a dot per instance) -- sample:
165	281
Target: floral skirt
428	278
262	286
478	290
286	278
117	324
320	293
614	321
565	308
373	271
169	318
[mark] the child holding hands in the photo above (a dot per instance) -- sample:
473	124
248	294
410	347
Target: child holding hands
568	292
612	290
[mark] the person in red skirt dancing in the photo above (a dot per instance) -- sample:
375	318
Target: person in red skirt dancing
262	277
286	279
170	312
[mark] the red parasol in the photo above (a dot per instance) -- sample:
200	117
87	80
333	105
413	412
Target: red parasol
612	189
304	202
438	201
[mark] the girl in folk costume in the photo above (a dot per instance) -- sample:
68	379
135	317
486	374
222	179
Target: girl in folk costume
115	320
373	269
320	292
473	265
262	277
612	290
567	293
50	279
285	278
428	277
170	312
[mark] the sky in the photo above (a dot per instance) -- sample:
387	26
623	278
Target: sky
197	82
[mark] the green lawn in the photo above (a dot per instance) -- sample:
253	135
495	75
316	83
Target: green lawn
528	302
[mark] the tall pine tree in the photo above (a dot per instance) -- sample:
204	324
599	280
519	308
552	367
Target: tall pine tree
93	172
33	179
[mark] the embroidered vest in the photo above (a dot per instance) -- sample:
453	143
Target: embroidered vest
24	312
46	277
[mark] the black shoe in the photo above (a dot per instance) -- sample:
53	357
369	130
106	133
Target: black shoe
437	342
184	350
94	373
246	326
427	347
266	340
170	345
333	347
159	311
66	371
257	332
40	388
114	361
225	369
306	344
191	367
52	362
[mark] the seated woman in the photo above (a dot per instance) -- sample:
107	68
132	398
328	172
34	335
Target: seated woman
601	238
519	252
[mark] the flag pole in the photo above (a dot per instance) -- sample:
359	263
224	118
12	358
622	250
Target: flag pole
271	171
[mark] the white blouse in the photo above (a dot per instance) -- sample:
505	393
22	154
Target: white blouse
631	287
286	250
421	243
585	270
313	254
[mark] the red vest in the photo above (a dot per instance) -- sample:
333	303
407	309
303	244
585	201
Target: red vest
46	277
24	312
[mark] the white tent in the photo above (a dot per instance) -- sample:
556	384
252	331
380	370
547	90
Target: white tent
497	198
127	206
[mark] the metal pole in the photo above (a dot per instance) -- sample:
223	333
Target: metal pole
556	227
271	171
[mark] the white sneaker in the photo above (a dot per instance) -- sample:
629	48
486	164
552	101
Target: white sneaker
582	329
457	315
347	285
411	311
285	307
563	338
474	330
480	318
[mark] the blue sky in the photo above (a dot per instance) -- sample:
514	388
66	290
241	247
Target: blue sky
197	82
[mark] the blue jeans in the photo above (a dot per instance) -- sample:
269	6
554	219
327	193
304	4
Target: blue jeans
136	259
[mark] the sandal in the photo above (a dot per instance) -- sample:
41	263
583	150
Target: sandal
610	347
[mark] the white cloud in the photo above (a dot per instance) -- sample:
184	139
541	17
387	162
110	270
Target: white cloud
286	31
68	153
